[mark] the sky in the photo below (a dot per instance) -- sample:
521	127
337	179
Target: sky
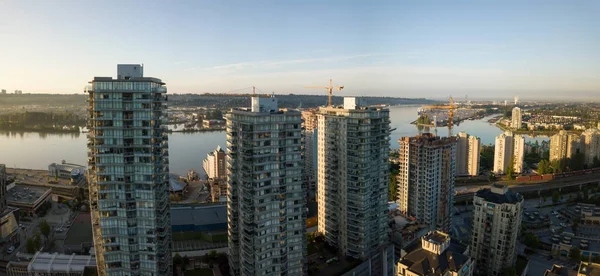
433	49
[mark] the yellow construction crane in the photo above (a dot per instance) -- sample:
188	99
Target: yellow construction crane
451	107
329	90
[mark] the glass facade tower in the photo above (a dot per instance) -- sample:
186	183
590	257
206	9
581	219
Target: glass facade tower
128	173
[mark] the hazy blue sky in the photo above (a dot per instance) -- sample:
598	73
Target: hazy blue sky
397	48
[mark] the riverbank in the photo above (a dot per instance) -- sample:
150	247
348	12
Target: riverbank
534	133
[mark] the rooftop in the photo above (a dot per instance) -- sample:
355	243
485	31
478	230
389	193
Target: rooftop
80	231
559	270
199	215
428	140
491	195
437	237
60	262
589	269
22	194
424	262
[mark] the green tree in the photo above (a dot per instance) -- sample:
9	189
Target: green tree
30	246
543	167
544	198
392	187
509	271
44	228
510	170
555	197
575	253
212	254
177	259
596	162
531	240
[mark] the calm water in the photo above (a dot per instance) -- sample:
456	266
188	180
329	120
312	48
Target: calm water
186	150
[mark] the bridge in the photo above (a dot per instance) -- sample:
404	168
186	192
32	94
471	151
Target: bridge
557	184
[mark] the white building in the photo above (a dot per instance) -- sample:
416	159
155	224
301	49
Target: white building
51	264
266	194
435	256
426	179
467	154
516	119
214	164
497	215
509	149
128	173
353	174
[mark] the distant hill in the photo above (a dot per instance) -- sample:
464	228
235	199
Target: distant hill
289	101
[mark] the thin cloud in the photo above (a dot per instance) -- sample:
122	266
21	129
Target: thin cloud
271	64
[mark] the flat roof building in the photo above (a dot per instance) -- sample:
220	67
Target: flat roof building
51	264
28	198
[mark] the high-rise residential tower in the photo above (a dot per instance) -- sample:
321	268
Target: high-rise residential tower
467	155
266	195
310	124
563	145
590	140
516	119
426	179
497	215
354	142
128	173
214	164
509	149
518	153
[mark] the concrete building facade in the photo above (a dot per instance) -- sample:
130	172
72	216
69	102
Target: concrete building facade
516	119
426	179
509	148
563	145
266	193
214	164
590	140
52	264
353	177
467	154
3	183
435	256
310	125
497	213
128	173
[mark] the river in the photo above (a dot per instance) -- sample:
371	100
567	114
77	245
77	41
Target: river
187	150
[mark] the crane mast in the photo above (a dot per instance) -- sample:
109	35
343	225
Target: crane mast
329	90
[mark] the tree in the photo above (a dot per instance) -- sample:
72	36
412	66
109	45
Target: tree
30	246
544	198
44	228
177	259
531	240
212	254
543	167
596	162
555	197
575	254
509	271
392	187
585	193
510	170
